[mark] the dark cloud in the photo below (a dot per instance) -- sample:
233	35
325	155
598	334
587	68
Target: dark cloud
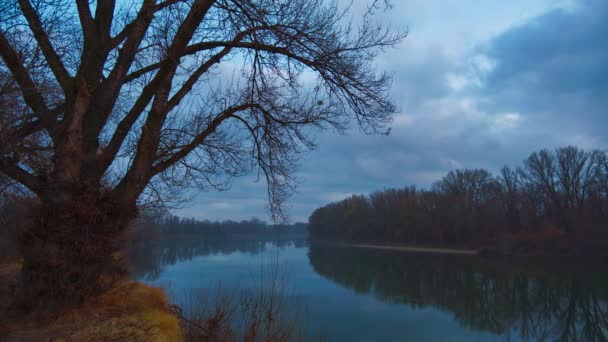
560	52
554	68
543	83
418	80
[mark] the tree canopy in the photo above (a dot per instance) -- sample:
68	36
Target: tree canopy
145	97
108	104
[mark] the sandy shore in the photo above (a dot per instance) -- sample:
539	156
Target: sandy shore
415	249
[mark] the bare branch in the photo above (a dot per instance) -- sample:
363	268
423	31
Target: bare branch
31	95
9	167
86	17
198	140
55	63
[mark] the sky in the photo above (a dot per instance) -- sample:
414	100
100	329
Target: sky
478	84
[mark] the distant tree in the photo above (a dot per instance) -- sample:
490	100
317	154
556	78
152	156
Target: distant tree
510	181
578	173
540	172
130	101
565	177
469	183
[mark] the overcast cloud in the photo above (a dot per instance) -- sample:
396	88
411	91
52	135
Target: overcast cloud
479	84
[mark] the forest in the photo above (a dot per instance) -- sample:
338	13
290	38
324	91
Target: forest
556	201
161	224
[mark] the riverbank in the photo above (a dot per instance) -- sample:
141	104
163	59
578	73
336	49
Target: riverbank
414	249
488	251
129	311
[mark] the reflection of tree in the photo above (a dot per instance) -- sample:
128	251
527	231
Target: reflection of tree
532	303
148	258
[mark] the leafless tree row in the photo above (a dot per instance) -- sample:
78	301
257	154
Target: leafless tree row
564	191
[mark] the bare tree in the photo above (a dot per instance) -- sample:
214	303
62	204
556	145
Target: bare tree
510	181
132	100
565	177
578	171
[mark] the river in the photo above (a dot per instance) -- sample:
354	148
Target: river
355	294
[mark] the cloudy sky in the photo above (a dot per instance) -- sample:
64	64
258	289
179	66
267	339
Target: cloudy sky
478	84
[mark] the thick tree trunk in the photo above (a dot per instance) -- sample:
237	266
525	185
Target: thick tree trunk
72	249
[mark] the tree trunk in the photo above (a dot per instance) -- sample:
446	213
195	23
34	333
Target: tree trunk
72	249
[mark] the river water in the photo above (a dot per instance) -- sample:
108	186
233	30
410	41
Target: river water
354	294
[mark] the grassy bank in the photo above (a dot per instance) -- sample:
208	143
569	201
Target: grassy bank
130	311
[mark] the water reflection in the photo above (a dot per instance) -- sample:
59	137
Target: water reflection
542	301
523	302
149	258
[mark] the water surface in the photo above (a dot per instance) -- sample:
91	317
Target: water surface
351	294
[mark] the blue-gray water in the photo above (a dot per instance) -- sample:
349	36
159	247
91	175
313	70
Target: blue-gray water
351	294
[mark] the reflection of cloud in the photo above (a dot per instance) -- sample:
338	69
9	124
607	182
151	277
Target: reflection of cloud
218	257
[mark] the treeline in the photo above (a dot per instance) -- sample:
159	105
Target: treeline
147	259
556	196
155	224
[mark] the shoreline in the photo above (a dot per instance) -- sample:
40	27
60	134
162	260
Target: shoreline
414	249
482	252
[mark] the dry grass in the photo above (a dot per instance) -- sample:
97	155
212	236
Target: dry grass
266	313
130	311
